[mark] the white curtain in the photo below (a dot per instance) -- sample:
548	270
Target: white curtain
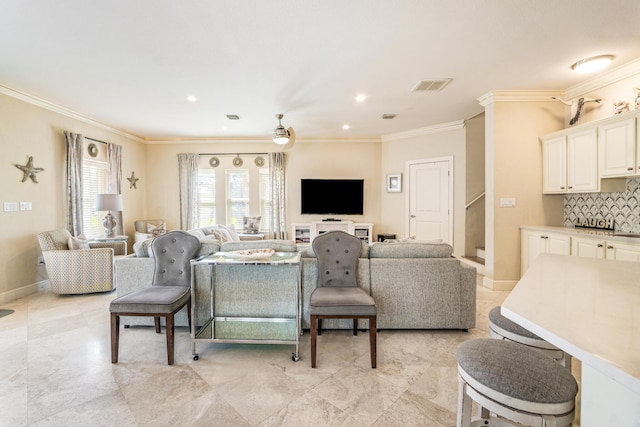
277	174
75	143
114	186
188	179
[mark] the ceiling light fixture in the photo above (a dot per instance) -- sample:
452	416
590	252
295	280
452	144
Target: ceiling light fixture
191	98
593	64
361	98
280	134
345	127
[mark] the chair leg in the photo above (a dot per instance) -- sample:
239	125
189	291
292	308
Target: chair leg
373	340
156	322
319	326
115	337
463	418
189	314
169	331
355	327
314	337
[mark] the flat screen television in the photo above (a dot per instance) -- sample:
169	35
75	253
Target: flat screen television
332	196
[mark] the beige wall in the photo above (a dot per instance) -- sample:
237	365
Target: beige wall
475	184
395	154
304	160
28	130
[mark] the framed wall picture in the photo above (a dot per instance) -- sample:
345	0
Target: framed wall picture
394	183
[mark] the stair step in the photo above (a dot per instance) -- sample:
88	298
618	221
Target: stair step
480	252
475	259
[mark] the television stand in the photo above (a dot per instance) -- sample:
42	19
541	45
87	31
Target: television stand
305	233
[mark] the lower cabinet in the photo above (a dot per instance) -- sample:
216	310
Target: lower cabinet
601	248
536	242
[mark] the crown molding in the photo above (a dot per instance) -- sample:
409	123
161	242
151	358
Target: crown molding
246	140
518	96
627	70
47	105
428	130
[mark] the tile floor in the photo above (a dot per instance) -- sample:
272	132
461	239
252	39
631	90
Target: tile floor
55	370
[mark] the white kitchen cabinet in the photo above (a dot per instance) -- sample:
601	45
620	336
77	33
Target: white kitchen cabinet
570	162
536	242
617	148
591	247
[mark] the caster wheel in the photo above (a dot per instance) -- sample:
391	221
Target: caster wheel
295	357
195	357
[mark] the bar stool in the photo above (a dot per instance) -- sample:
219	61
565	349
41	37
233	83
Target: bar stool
502	328
512	383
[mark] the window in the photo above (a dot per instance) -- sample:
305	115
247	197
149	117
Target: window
237	196
94	182
206	197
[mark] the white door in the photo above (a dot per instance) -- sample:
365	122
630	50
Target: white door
431	200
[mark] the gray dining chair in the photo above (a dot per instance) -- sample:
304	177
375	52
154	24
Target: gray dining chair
337	295
170	289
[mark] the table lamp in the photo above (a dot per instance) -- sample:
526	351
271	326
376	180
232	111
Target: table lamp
109	203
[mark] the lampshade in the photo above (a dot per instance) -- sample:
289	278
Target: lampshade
108	202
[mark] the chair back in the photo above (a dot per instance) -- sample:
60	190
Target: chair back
173	252
54	240
337	253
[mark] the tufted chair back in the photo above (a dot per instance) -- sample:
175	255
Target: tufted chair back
173	252
337	254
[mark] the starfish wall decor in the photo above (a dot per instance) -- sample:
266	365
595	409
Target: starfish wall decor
132	180
29	171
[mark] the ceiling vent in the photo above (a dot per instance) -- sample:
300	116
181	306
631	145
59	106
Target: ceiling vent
233	117
431	85
389	116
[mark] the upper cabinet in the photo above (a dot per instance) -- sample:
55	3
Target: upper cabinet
575	160
618	149
570	162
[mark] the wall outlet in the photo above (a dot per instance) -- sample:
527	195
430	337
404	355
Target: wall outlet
507	202
10	206
25	206
40	260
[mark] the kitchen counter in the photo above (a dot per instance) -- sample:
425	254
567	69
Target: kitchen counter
577	231
589	308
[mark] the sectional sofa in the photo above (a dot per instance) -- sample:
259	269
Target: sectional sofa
416	285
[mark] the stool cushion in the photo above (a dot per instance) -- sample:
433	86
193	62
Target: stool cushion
496	317
152	300
516	371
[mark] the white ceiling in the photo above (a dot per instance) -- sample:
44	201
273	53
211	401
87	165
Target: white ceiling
131	64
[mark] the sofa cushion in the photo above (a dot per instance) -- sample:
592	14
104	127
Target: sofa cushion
199	233
79	242
410	250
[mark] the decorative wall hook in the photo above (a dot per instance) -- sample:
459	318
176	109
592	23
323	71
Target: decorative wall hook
132	180
29	171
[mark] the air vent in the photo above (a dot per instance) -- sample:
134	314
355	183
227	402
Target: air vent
389	116
233	117
431	85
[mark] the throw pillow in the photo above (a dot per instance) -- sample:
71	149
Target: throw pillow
156	230
232	232
251	224
142	249
80	242
221	234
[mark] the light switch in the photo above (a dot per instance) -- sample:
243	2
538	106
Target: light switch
25	206
507	202
10	206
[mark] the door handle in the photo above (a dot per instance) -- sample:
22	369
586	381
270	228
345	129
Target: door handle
412	216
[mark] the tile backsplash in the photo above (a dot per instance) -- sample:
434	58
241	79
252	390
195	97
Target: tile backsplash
622	208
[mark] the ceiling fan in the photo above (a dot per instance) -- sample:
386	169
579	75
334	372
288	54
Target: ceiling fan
282	136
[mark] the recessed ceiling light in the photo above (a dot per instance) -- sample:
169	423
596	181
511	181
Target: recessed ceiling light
225	128
345	126
591	65
361	97
191	98
233	117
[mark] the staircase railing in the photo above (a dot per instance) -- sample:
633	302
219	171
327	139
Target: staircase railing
478	197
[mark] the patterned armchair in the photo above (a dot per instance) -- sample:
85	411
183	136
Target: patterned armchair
79	271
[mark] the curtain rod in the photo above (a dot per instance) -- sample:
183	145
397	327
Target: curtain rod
96	140
232	154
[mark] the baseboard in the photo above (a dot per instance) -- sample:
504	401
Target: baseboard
499	285
14	294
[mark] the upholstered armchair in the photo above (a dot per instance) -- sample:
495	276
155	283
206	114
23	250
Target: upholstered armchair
142	228
78	271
